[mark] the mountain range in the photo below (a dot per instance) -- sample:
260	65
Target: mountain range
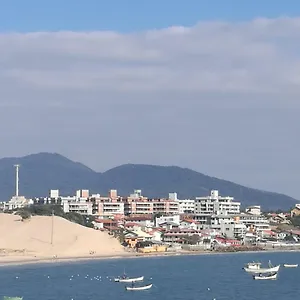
44	171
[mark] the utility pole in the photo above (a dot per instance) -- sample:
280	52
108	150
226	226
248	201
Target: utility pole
17	179
52	221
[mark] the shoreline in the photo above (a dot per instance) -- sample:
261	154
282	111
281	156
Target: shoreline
125	255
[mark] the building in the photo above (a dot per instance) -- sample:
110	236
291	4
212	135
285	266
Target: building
295	211
253	210
80	206
110	208
54	194
255	223
214	205
136	204
164	219
186	206
228	226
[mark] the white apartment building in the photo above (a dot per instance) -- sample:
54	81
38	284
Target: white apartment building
111	208
255	223
80	206
227	225
214	205
185	206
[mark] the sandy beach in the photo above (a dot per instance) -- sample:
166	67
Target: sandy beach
34	241
44	238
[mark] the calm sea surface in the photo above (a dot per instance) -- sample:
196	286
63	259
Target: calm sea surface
175	278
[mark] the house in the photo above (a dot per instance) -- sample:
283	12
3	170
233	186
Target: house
131	239
168	225
175	219
156	235
132	226
295	211
190	224
222	241
269	234
179	235
143	220
107	224
149	247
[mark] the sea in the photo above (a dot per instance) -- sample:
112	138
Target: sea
209	277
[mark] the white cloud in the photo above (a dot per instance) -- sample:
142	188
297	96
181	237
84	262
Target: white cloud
222	98
255	56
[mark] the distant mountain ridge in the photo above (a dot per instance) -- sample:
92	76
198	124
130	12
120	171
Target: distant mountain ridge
44	171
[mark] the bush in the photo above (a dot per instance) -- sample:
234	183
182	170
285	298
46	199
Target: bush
49	209
24	215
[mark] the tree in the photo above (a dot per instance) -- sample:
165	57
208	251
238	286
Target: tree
192	239
25	215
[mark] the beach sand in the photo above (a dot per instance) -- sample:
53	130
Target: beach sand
30	240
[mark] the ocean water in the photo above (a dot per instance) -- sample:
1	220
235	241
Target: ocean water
206	277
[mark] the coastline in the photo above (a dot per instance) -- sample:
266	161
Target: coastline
17	261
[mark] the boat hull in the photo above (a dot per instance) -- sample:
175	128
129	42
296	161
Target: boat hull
262	270
270	277
129	280
290	266
139	288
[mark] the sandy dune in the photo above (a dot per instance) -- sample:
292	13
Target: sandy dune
32	239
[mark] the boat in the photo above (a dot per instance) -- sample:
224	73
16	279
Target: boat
271	276
290	266
128	279
12	298
255	267
138	288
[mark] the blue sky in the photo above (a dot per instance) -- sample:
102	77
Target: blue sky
52	15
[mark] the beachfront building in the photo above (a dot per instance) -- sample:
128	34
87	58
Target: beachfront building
254	223
214	204
186	206
136	204
227	225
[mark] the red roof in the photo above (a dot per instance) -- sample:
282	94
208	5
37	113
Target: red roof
139	218
131	224
105	221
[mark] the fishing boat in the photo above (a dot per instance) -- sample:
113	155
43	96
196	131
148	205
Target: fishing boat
255	268
290	266
271	276
128	279
138	288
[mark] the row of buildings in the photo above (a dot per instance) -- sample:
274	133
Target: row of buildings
212	212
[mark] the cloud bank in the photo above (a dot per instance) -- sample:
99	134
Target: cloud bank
221	98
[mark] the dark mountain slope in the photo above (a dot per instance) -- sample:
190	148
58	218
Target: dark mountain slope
44	171
159	181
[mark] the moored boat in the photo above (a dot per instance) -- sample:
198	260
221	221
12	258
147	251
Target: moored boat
271	276
128	279
138	288
290	266
256	268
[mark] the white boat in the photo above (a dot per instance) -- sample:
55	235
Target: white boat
129	280
290	266
272	276
139	288
257	269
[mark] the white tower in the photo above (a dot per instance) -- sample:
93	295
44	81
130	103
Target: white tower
17	179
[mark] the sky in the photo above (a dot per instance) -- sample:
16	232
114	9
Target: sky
209	85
